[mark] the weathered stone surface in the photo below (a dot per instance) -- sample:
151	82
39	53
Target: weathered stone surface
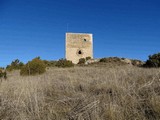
128	61
92	61
78	45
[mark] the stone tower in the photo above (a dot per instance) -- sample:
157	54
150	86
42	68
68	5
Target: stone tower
78	45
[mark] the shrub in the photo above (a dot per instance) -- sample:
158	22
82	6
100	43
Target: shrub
50	63
3	74
64	63
36	66
15	65
153	61
88	58
110	59
2	68
81	61
103	60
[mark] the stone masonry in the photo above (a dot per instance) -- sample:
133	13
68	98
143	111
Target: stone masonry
78	45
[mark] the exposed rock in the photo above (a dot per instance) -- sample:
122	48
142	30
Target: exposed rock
116	60
92	61
128	61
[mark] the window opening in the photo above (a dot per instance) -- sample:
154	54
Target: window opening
79	52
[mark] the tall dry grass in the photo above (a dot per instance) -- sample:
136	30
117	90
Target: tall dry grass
82	93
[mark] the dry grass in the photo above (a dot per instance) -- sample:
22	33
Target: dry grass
82	93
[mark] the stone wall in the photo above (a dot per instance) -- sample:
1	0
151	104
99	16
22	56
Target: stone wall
78	45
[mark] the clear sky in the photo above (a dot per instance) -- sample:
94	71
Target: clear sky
122	28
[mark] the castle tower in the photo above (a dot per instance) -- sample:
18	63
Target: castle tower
78	45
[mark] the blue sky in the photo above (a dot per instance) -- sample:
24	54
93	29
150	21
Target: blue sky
122	28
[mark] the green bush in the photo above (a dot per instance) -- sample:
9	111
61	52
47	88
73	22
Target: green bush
110	59
64	63
81	61
50	63
153	61
15	65
36	66
2	68
103	60
3	74
88	58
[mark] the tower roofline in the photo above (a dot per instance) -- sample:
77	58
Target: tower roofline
77	33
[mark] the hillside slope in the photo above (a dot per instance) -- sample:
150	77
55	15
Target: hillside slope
91	93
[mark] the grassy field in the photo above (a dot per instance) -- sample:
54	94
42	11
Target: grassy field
82	93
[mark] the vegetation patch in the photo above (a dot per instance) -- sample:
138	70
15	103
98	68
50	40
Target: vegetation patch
3	74
153	61
51	63
15	65
64	63
36	66
82	61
